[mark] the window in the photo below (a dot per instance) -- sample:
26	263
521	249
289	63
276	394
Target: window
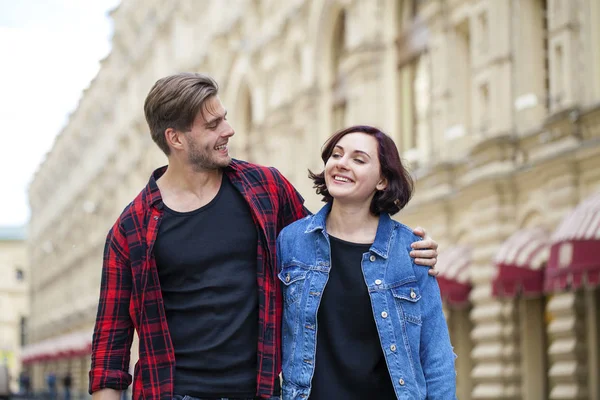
484	101
483	32
544	16
19	274
558	95
339	85
23	331
408	106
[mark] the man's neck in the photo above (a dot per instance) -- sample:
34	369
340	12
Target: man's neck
185	189
352	223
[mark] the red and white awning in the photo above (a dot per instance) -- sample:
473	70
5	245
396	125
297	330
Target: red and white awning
575	250
453	278
520	263
65	346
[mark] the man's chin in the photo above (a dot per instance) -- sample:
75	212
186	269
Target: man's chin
225	162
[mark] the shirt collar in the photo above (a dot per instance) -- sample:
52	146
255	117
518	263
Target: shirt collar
385	230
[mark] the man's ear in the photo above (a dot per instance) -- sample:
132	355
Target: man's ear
174	138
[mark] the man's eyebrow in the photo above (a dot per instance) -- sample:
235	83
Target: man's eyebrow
355	151
216	118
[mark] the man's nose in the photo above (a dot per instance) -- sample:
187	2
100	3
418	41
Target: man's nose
228	130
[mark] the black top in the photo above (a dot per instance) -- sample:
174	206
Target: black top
349	363
207	266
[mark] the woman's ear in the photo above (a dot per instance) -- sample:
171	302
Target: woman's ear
382	184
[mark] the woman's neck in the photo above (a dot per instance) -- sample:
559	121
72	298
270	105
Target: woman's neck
351	223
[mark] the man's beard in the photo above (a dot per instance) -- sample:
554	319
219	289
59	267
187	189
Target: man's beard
201	159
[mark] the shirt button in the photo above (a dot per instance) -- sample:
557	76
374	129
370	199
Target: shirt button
378	281
287	278
372	258
393	347
401	382
156	217
384	315
412	294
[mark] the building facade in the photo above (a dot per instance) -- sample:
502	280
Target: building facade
14	299
494	104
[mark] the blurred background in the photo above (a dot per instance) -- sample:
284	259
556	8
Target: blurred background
494	105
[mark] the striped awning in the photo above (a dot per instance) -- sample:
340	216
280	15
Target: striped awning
65	346
575	250
453	278
520	263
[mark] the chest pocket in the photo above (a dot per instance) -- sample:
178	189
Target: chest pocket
293	277
407	299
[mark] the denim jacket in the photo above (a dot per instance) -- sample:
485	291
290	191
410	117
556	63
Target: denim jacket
406	304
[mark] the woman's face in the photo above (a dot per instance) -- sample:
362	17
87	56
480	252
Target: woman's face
352	172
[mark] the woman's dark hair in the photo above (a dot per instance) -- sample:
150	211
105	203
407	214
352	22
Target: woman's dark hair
400	184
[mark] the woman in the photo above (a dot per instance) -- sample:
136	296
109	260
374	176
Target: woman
360	321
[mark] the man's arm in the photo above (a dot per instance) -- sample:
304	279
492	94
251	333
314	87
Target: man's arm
425	251
292	209
113	332
291	203
107	394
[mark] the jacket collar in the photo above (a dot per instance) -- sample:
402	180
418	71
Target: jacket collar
385	230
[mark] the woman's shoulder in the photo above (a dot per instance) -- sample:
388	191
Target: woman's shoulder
296	228
405	231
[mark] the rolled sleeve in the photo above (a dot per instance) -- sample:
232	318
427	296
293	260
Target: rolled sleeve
113	332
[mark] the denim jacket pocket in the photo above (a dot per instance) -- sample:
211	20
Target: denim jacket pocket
293	277
407	298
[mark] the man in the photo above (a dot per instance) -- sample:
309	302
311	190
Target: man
190	263
67	381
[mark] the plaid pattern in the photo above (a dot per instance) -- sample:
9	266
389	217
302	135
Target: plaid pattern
131	297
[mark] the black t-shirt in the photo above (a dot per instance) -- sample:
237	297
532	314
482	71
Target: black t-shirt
207	265
349	363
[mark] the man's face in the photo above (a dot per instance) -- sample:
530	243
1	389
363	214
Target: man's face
207	140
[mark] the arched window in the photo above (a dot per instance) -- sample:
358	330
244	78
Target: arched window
244	146
414	80
338	79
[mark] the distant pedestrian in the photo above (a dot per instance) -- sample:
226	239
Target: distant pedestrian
24	383
51	383
67	381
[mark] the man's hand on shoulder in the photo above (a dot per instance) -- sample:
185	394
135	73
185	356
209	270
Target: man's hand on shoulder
425	251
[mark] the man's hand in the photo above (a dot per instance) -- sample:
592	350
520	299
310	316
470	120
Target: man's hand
425	251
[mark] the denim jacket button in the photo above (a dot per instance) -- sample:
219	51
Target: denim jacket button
401	382
287	278
384	315
412	294
378	281
372	258
393	347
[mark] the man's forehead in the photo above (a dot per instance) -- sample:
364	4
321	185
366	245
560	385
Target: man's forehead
211	110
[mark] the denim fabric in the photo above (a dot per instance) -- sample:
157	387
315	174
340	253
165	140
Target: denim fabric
406	303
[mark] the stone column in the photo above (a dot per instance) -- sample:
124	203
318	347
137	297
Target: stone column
496	373
567	349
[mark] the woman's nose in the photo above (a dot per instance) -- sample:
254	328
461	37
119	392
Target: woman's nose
342	163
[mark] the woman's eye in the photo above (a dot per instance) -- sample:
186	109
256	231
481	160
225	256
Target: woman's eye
358	160
335	155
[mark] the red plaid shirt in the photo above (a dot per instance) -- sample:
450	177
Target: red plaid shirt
131	297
